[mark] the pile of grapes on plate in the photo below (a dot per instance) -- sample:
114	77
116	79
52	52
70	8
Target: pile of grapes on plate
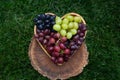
60	37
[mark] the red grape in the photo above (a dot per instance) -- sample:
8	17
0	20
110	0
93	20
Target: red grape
62	46
57	48
67	51
56	54
57	35
63	39
52	41
41	34
60	60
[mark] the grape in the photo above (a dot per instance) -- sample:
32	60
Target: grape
64	26
75	25
41	17
50	49
41	39
56	54
47	31
79	42
47	16
63	32
72	43
76	37
52	41
77	19
41	34
81	34
69	35
81	39
70	18
38	31
73	31
73	47
60	60
63	39
36	36
62	46
57	27
40	27
65	21
53	59
57	35
47	37
78	31
58	20
57	48
67	51
82	27
70	25
45	41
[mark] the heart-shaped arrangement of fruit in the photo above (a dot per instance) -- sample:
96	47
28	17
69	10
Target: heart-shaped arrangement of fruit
59	37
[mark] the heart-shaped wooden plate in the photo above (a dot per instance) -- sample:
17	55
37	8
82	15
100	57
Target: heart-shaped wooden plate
73	14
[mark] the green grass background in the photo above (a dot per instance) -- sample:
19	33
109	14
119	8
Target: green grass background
103	37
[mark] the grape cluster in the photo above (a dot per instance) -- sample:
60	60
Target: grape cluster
54	44
45	21
67	26
65	40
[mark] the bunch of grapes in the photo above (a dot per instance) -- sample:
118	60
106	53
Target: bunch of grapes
63	36
68	26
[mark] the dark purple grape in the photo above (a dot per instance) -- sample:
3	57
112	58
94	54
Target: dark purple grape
66	57
72	43
82	27
41	17
50	49
52	23
47	16
52	18
41	34
36	36
53	59
81	39
73	47
46	21
45	41
48	26
47	37
78	31
76	46
78	42
47	31
39	22
81	34
40	27
41	39
38	31
76	37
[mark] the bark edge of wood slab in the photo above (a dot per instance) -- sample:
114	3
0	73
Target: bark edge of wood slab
43	64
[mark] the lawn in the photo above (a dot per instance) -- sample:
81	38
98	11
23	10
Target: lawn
103	37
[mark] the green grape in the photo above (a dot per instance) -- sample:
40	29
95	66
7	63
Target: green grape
65	21
69	17
58	20
73	31
57	27
75	25
70	25
64	26
77	19
69	35
63	32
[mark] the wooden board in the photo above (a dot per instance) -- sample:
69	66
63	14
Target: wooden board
43	64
